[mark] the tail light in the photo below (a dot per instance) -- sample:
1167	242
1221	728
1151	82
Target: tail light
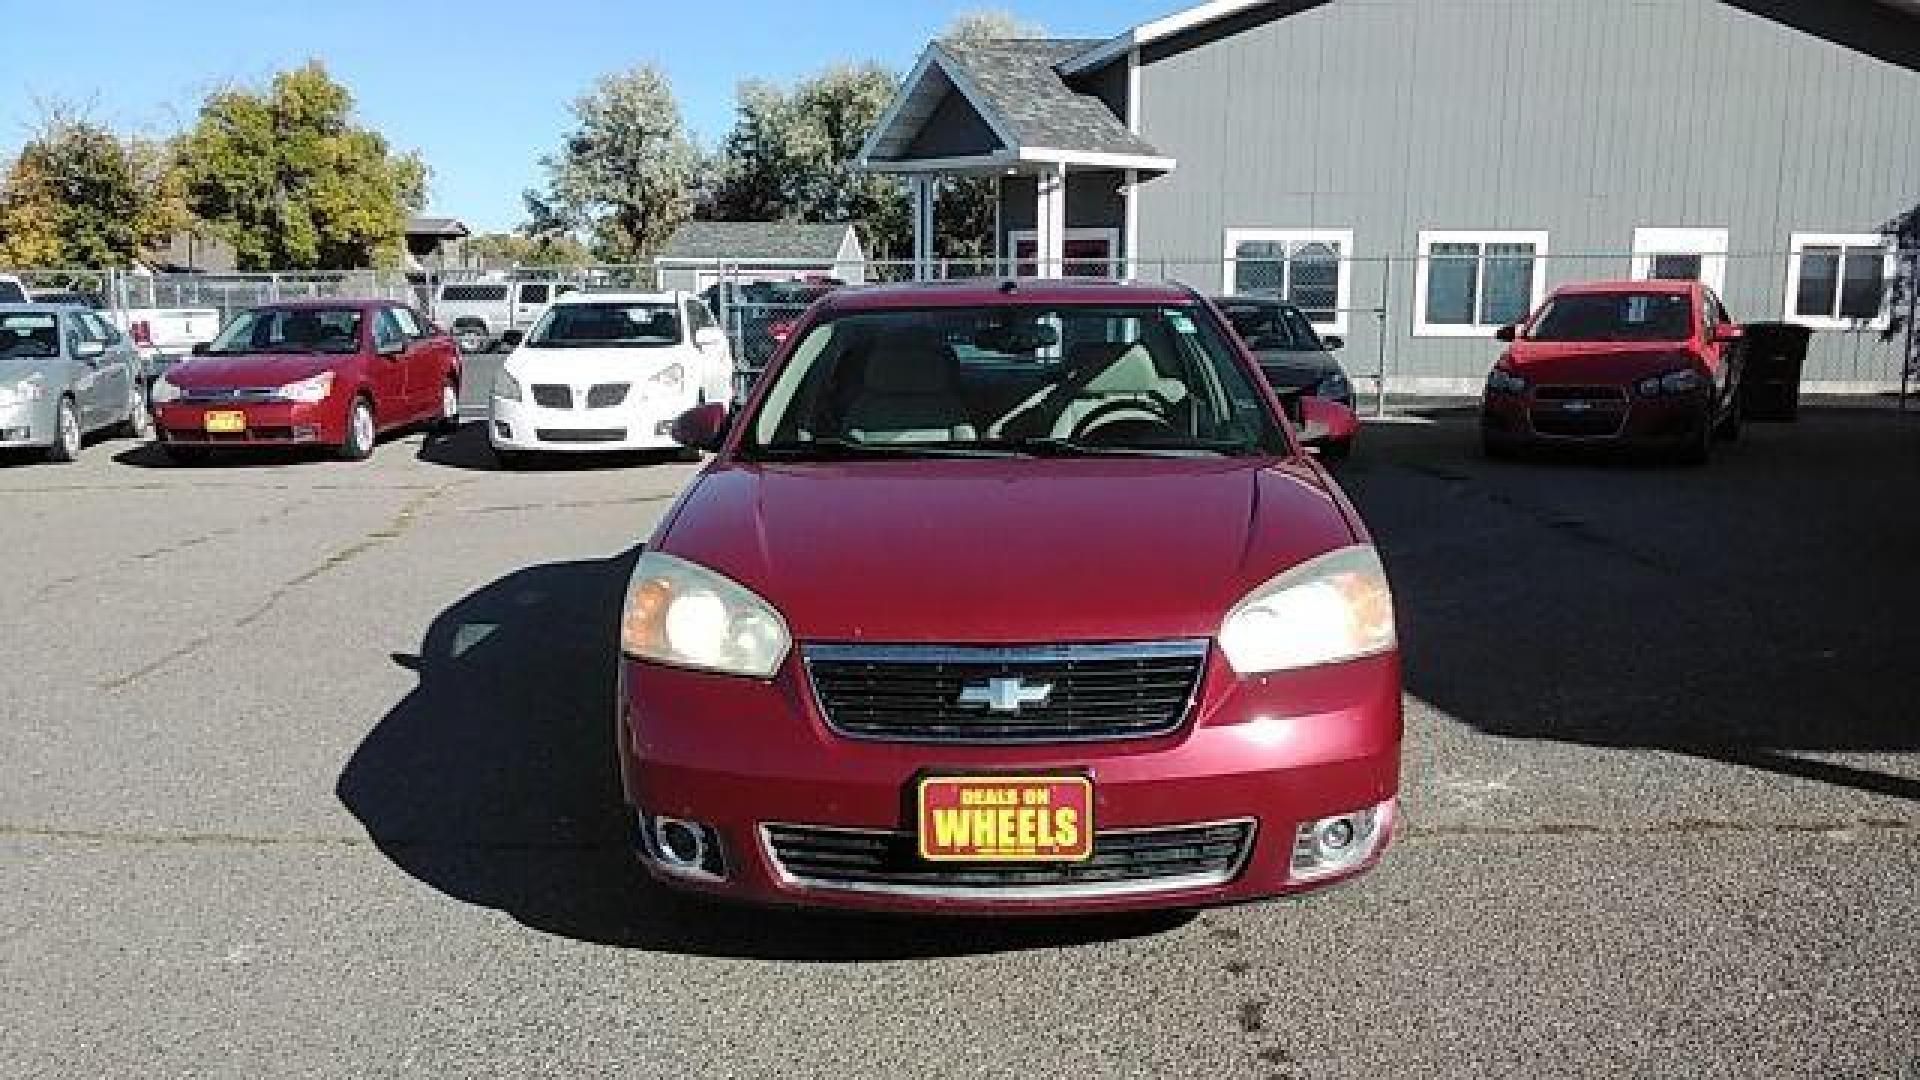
142	333
780	331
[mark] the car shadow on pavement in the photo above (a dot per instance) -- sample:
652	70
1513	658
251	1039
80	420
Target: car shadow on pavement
466	447
1763	611
494	782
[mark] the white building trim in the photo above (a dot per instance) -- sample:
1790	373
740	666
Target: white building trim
1291	238
1797	243
1111	236
1709	244
1158	30
1482	238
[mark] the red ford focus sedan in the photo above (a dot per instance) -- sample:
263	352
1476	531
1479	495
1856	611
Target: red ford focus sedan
1007	599
1646	365
324	373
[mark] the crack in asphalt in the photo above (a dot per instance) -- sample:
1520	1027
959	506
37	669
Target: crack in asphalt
410	511
1578	529
179	546
564	504
1680	827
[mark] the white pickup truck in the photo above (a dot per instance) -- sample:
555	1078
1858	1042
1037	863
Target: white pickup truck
479	313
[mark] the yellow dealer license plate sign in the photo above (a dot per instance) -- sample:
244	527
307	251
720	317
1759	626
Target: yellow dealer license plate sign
226	423
1006	818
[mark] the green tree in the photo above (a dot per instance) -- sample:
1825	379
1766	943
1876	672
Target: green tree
522	249
625	174
80	196
989	24
289	180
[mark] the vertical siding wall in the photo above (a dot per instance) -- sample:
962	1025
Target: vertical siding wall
1585	118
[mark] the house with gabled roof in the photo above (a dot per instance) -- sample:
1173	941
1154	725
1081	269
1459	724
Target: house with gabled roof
1414	174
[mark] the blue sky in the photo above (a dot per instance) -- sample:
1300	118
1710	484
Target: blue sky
478	87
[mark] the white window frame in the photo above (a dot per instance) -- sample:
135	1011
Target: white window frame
1482	237
1343	280
1797	243
1709	244
1115	257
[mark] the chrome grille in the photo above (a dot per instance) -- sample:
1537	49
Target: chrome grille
1124	861
914	693
230	395
1580	393
607	395
552	396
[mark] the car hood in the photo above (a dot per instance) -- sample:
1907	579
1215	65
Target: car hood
1022	550
261	370
1596	362
581	366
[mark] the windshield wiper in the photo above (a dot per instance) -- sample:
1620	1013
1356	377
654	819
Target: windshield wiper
1049	446
853	448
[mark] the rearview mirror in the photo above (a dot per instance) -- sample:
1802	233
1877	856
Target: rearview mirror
1506	333
1323	422
511	339
90	350
703	427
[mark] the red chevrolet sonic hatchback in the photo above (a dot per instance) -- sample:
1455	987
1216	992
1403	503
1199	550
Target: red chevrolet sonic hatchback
1015	598
1651	365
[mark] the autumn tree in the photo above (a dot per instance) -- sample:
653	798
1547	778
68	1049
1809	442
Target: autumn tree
292	183
80	196
624	175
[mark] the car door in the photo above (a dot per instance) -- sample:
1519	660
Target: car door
529	300
87	372
422	385
120	367
387	371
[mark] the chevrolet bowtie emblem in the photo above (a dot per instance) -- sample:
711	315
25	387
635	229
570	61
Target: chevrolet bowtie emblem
1005	695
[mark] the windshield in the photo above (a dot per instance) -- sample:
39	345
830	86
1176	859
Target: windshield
1625	316
1007	380
290	330
603	326
28	335
1271	327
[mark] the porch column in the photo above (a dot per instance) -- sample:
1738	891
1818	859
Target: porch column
924	190
1050	223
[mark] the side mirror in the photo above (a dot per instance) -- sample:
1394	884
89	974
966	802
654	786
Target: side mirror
1506	333
89	350
202	348
703	427
1333	342
511	339
1728	333
1324	422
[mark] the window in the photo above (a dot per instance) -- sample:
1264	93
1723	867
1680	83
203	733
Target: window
290	330
533	294
386	331
1681	255
409	325
105	330
1088	253
1309	268
1838	281
473	294
1470	284
607	326
1615	316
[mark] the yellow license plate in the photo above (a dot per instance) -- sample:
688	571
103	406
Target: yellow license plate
226	423
1006	818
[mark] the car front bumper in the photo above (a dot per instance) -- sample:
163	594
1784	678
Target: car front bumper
742	756
1639	423
525	426
269	423
29	424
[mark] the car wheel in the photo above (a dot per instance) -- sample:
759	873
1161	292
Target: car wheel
360	431
449	418
66	433
184	455
139	423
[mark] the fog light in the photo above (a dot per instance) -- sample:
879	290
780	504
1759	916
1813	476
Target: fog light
684	848
1334	845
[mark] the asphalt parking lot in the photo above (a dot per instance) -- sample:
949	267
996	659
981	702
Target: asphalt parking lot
306	772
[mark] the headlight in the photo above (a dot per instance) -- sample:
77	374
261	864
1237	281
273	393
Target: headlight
1684	381
1334	386
1336	607
684	615
668	378
20	393
506	387
309	390
163	391
1502	381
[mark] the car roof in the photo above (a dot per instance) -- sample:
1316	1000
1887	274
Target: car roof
333	304
1251	298
584	296
1653	286
1035	292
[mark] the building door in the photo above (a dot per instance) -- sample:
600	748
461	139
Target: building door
1089	253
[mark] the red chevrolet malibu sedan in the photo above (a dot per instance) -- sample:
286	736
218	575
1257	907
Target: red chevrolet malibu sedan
1648	365
1005	599
324	373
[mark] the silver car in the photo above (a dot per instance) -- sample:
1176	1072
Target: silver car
64	373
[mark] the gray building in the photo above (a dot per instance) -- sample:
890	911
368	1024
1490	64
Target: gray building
1416	173
700	253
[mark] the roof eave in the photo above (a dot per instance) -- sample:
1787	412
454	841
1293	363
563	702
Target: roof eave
1158	30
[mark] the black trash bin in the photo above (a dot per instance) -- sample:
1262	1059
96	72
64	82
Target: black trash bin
1775	354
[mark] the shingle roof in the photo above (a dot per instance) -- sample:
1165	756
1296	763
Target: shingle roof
1020	83
436	226
756	240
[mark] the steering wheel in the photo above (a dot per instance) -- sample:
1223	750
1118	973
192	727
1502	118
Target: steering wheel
1138	410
